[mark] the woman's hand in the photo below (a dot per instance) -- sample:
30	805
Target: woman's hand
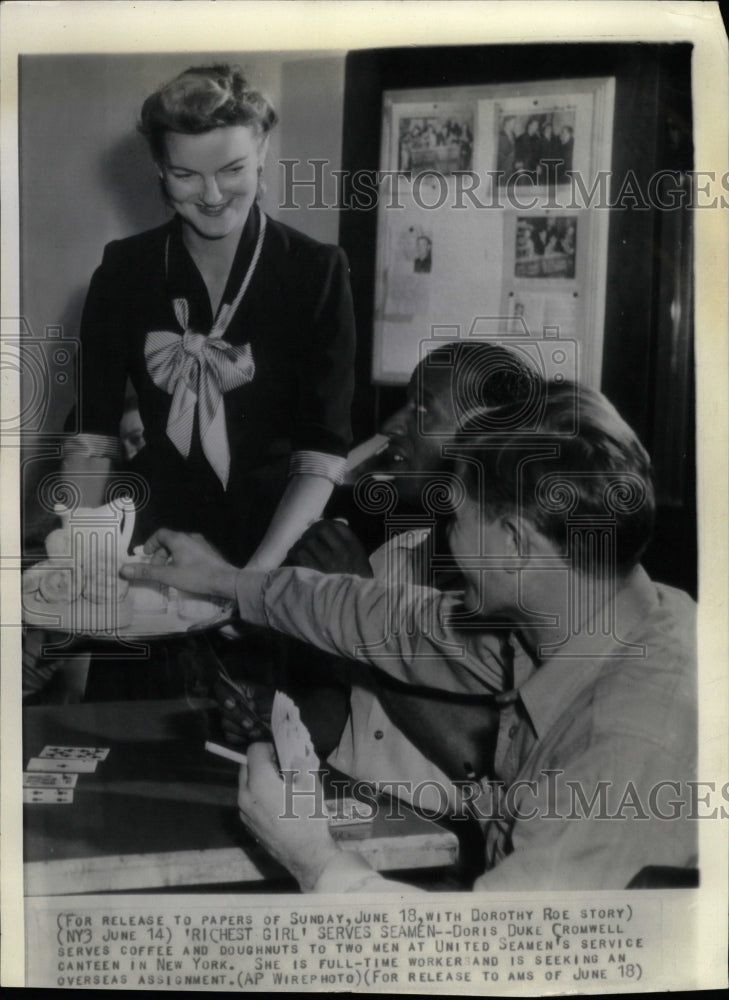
186	562
287	819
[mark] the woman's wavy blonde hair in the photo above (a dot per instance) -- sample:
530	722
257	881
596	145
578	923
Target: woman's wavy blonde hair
201	99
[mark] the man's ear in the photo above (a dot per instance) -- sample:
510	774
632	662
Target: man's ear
514	537
520	539
526	543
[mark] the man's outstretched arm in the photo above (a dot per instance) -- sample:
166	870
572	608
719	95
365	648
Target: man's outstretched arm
398	629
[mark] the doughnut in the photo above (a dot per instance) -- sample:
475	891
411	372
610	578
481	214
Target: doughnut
104	588
58	584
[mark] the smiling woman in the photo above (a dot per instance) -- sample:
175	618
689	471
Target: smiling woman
213	176
236	331
211	181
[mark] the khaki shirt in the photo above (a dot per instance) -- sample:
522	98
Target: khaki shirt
371	747
615	706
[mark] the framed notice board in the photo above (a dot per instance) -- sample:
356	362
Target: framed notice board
486	219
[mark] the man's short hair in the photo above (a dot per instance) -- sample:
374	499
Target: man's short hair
580	478
484	375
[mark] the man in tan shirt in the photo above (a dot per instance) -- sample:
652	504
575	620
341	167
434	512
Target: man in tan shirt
596	751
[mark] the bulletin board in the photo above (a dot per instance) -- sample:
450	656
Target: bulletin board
493	220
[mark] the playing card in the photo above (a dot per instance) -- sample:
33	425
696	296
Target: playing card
48	764
290	736
42	779
74	753
55	796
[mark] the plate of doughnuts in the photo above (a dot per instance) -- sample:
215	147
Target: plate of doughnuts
78	589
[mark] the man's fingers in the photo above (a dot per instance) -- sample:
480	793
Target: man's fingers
261	768
305	774
145	571
262	756
162	538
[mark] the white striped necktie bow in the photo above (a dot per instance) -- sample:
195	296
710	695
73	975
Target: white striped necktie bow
196	369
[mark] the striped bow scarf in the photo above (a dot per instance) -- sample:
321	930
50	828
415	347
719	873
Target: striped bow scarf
196	369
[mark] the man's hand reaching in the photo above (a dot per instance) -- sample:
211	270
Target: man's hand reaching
186	562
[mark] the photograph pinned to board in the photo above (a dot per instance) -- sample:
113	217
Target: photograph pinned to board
545	249
546	246
541	139
550	278
407	285
434	137
433	268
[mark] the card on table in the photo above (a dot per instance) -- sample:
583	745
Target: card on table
44	779
54	796
48	764
74	753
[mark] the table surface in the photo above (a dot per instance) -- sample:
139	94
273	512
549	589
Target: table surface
161	810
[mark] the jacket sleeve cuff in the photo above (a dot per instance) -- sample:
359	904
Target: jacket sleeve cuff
318	463
92	446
